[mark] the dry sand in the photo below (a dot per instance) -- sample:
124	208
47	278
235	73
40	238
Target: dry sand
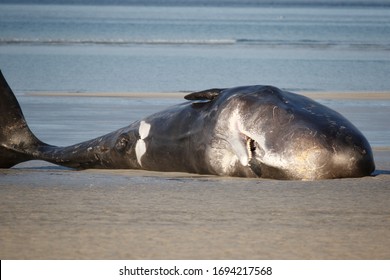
50	212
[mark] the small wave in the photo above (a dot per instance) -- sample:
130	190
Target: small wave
22	41
313	44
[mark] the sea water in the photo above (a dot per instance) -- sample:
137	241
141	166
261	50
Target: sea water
177	45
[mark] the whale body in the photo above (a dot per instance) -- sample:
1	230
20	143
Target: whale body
250	131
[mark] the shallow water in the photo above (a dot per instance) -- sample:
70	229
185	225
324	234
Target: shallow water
73	48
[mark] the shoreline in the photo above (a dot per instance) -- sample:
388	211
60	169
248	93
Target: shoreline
337	95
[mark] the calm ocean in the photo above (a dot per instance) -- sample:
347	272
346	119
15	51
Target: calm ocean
180	45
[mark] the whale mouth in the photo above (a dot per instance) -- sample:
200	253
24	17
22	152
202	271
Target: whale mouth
250	147
253	148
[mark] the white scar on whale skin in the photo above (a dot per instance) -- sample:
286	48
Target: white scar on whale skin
140	146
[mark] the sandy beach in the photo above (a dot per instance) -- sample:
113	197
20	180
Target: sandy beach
51	212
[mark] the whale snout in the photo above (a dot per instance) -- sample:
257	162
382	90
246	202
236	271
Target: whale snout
347	155
365	165
351	162
313	153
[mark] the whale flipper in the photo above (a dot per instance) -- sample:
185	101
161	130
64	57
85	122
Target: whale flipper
17	142
209	94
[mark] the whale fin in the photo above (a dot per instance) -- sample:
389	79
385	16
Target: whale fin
209	94
17	142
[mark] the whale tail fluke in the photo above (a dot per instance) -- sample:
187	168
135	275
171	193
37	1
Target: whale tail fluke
17	142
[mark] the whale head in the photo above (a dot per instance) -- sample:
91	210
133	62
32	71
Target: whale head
266	132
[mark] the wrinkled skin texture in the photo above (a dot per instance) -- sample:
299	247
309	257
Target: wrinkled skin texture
253	131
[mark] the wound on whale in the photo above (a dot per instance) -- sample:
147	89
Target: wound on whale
251	131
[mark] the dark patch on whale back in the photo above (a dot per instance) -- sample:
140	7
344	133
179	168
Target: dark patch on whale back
209	94
122	142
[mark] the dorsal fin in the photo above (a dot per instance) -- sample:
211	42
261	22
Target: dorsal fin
208	94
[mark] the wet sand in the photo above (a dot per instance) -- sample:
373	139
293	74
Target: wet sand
50	212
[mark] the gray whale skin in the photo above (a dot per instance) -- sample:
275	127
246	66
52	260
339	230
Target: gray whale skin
251	131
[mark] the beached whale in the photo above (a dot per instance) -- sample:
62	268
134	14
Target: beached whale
251	131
